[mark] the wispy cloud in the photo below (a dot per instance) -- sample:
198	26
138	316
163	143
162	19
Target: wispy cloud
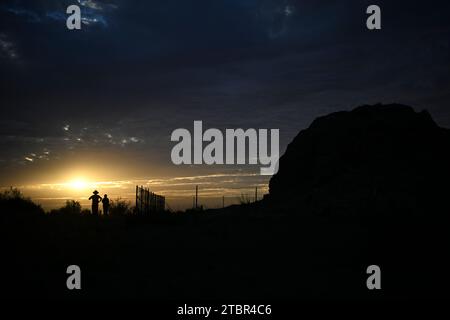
274	16
92	12
97	5
87	18
7	48
30	15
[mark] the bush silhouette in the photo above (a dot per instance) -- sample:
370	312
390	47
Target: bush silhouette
15	206
245	199
120	207
72	207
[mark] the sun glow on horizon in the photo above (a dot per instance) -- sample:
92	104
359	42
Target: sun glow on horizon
214	188
78	184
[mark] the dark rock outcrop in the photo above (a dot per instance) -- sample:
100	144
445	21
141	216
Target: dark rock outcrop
380	159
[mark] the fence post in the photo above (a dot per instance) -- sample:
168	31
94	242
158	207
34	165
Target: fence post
136	198
148	202
196	197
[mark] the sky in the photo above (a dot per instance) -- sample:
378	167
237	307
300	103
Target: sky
95	108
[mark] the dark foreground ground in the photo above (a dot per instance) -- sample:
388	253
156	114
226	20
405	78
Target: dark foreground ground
241	253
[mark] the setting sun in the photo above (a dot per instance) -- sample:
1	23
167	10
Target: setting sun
78	184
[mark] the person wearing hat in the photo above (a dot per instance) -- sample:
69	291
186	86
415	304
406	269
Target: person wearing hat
95	200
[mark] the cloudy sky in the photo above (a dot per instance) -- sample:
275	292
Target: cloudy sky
96	107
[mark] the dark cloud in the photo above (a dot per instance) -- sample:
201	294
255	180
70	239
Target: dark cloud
139	69
92	12
7	48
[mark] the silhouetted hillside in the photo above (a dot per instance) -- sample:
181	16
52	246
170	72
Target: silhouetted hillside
348	166
372	160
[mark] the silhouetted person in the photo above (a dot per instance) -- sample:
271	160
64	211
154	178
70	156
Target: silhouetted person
105	202
95	200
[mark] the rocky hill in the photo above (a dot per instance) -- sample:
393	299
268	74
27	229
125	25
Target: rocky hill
379	159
